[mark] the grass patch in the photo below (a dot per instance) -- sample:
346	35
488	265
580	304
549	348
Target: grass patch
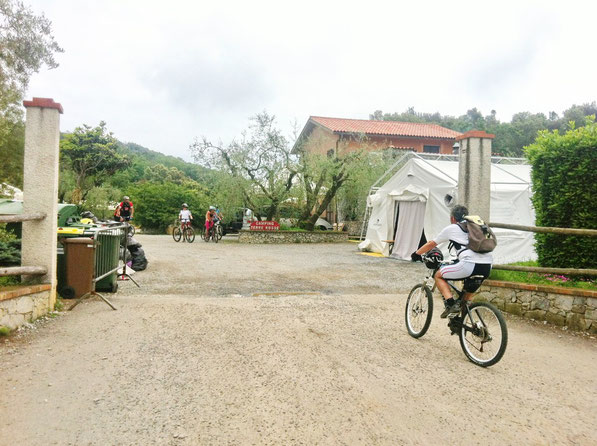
4	331
543	279
291	229
58	306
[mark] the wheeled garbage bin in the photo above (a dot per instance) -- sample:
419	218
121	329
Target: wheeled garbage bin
62	287
79	256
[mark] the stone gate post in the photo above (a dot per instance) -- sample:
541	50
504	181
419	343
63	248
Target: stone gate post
474	172
40	187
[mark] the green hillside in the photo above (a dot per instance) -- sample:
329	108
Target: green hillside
147	157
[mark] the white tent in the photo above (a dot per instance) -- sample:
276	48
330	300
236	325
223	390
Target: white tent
418	198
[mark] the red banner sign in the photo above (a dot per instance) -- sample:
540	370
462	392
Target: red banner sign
265	226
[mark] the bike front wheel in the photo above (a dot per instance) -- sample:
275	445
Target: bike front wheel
419	310
220	232
176	234
189	234
483	335
214	235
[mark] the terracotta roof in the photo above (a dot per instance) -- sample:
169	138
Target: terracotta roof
390	128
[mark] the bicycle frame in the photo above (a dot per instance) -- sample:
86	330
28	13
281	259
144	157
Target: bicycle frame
460	293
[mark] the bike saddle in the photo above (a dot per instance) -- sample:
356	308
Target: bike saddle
473	283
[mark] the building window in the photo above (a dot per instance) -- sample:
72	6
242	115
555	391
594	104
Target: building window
431	149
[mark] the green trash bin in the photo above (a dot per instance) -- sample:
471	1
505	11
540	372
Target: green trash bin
107	256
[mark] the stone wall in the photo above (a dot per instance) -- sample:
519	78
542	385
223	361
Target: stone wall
23	304
292	237
353	227
574	308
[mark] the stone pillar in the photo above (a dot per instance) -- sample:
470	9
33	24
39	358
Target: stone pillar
40	188
474	172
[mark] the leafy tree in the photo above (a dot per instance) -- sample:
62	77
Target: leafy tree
352	197
26	44
92	156
511	136
100	201
11	154
162	174
321	178
261	163
157	204
565	185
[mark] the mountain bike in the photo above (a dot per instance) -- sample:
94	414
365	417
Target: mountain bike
211	235
480	326
183	231
219	229
189	233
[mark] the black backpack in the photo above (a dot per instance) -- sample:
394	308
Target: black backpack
481	238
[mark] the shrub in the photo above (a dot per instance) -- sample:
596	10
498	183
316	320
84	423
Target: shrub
157	204
564	178
10	248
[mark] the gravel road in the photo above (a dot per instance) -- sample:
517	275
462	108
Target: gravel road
229	344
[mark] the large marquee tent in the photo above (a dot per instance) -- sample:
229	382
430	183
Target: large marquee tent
416	201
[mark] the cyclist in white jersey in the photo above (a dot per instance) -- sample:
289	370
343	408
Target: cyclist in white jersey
185	215
469	263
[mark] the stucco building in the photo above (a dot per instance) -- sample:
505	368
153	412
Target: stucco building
338	135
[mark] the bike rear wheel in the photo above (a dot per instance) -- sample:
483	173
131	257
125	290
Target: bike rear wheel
419	310
484	337
189	234
176	234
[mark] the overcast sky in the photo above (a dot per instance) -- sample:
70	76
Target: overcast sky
162	73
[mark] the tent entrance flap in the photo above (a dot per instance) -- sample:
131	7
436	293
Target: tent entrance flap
409	229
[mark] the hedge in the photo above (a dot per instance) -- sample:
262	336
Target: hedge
564	176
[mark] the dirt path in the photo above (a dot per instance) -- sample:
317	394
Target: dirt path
193	357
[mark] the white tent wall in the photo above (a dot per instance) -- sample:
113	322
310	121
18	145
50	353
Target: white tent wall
430	181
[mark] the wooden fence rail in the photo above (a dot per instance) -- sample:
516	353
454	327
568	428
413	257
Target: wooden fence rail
547	230
541	270
22	217
23	271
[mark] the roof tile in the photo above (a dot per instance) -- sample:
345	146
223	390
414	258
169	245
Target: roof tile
390	128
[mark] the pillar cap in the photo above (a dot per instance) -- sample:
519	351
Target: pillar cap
475	134
43	103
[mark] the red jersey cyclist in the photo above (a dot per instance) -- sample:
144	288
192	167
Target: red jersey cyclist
209	219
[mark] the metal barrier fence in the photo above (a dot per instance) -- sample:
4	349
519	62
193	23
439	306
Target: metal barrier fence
109	253
111	248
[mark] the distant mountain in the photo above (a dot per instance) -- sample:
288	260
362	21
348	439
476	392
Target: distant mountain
144	156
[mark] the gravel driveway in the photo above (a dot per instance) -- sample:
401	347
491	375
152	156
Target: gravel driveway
282	344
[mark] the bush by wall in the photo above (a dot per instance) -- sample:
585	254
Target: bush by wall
564	178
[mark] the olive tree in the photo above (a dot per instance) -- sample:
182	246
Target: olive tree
260	162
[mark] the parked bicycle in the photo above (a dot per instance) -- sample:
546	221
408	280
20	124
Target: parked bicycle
184	232
480	326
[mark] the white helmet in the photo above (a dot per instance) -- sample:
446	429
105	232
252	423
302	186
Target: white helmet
211	208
